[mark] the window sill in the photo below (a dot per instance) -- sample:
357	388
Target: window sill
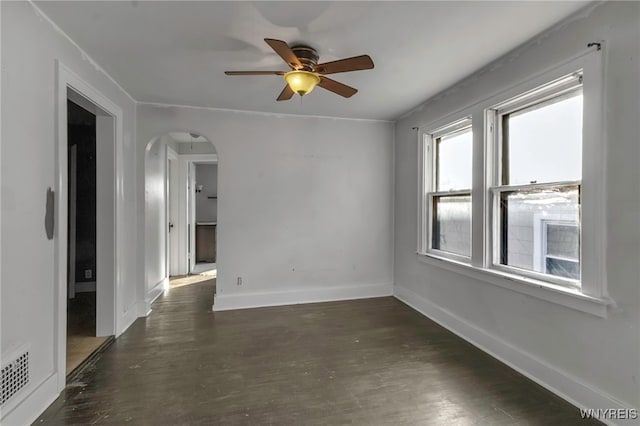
571	298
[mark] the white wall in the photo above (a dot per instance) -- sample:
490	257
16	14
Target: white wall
30	46
207	208
156	171
304	204
186	148
588	359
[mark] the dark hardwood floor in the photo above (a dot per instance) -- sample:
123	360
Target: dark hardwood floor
363	362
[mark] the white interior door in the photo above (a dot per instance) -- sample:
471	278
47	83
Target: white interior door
173	216
71	271
170	175
192	216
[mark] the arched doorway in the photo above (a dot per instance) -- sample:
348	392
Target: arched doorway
180	209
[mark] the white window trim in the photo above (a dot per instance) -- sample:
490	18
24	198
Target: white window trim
593	296
560	295
428	192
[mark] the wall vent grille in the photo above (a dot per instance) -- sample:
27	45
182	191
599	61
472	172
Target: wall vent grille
15	376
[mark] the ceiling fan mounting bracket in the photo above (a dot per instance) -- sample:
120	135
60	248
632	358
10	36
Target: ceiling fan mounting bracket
308	57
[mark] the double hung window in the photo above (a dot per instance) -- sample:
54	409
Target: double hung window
448	190
511	188
536	208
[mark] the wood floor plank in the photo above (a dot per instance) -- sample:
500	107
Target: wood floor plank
81	329
361	362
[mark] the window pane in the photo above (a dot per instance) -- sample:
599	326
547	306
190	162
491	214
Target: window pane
563	241
452	224
545	142
525	215
563	268
454	156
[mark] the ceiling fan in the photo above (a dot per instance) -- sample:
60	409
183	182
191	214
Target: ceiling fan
306	73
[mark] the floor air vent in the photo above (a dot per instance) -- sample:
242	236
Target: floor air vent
15	376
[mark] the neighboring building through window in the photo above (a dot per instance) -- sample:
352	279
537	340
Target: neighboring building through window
562	249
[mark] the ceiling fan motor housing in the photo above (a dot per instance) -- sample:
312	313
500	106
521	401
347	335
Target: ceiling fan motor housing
307	56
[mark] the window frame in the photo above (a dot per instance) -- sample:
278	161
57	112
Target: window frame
554	90
430	167
496	263
592	297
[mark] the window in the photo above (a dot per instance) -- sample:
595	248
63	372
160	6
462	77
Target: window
522	207
561	254
447	182
539	148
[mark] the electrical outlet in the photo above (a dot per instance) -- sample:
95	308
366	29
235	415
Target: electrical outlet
239	281
88	273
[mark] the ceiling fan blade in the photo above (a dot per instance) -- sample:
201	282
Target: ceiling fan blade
254	72
356	63
286	93
285	52
336	87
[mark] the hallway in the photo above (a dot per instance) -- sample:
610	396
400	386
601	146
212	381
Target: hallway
364	362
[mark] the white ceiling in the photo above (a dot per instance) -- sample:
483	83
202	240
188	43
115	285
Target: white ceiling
175	52
184	137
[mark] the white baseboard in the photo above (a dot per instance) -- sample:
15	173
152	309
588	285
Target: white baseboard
86	287
144	308
225	302
560	382
157	290
127	319
32	404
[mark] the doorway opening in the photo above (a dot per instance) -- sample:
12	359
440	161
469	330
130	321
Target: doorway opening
176	237
205	217
82	339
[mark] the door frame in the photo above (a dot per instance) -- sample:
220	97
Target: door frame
171	203
72	223
189	162
109	208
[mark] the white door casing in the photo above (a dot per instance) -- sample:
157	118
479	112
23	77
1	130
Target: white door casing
109	208
172	200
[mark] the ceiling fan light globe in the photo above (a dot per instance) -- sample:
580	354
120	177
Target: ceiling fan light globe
302	82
